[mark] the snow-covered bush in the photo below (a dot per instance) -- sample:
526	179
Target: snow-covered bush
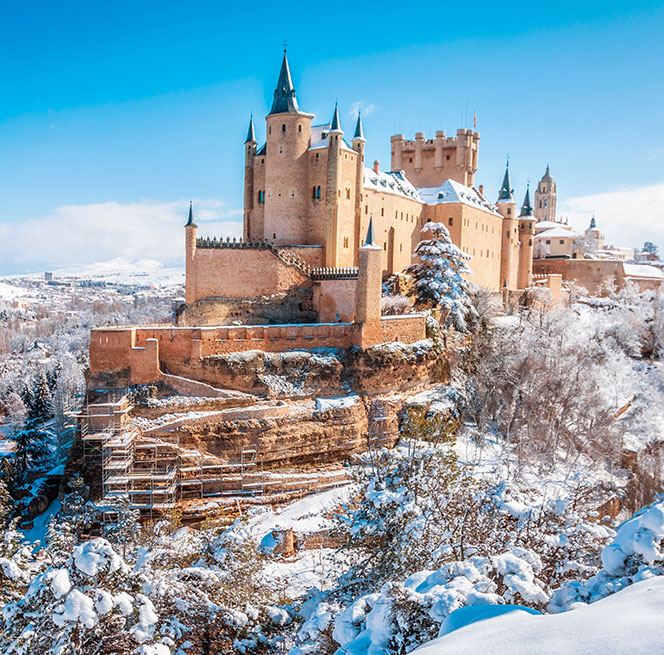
91	604
636	553
438	275
541	382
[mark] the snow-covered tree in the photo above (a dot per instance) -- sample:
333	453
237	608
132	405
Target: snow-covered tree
650	248
438	275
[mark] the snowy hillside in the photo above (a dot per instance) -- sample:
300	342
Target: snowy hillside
631	621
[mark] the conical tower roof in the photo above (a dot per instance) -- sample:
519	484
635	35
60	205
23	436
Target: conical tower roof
190	220
284	101
359	132
527	208
506	192
370	241
251	134
335	125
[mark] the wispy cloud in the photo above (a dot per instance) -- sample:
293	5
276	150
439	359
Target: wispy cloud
361	106
627	217
83	234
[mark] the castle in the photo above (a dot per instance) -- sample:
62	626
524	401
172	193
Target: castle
309	200
300	277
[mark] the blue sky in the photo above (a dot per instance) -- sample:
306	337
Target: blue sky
127	104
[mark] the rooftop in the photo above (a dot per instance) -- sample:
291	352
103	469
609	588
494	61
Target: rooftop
452	191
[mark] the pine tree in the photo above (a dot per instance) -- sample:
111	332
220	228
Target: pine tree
6	505
41	408
438	275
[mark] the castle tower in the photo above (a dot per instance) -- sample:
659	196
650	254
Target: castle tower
368	294
510	238
545	198
333	189
429	162
358	144
190	229
249	231
526	235
286	166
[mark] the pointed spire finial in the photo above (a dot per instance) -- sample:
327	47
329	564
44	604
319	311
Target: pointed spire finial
370	241
335	125
284	101
359	132
190	220
251	134
506	191
527	208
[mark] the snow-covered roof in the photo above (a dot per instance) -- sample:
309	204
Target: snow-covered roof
319	138
547	225
391	182
642	270
452	191
556	233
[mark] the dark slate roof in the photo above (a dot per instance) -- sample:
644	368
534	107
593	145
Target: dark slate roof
190	220
251	134
527	208
284	95
359	132
370	234
335	125
506	191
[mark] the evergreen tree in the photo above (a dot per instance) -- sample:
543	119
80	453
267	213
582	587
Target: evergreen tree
650	248
6	504
41	408
438	275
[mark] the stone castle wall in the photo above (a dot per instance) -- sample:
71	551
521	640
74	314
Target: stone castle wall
240	273
135	355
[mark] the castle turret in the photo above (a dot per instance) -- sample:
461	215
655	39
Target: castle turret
368	293
333	188
358	144
190	229
510	239
249	154
545	198
286	194
526	235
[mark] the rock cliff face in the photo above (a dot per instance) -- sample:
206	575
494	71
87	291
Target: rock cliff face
280	422
324	372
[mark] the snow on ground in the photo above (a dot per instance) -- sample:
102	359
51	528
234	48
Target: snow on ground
630	621
325	404
303	516
36	535
10	292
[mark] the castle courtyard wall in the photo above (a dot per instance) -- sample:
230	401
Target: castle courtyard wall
240	273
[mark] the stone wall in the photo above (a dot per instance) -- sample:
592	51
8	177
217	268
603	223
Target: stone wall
335	299
240	273
594	275
296	306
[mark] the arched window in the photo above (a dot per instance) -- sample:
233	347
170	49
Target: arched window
318	192
299	128
313	193
546	203
347	193
451	221
283	127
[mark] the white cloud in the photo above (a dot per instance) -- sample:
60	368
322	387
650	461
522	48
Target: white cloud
361	106
627	217
73	235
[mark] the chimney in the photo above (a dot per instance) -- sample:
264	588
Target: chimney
376	167
482	190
